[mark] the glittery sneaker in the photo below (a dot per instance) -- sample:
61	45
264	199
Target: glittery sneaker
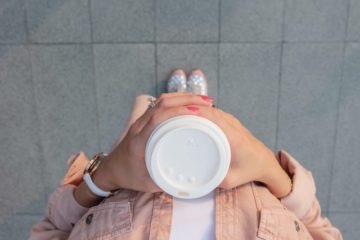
177	81
197	83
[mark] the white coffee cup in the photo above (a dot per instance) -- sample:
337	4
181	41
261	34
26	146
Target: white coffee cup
187	156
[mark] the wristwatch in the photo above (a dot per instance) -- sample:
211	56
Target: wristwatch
89	169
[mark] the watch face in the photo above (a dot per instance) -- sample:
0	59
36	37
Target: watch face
93	164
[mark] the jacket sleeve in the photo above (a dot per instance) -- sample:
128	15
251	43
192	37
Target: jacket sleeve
62	211
303	202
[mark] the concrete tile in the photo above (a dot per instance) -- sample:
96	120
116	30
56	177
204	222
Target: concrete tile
65	94
187	20
310	83
321	20
21	161
12	21
188	57
123	21
58	21
353	32
346	167
17	227
122	72
347	223
251	20
249	77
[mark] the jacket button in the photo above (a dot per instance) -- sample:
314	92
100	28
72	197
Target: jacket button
297	226
89	218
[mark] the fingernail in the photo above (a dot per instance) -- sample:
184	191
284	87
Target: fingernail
207	98
193	109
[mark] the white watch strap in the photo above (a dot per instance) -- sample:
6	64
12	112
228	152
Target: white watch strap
97	191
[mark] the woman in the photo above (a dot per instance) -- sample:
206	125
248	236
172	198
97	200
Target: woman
263	196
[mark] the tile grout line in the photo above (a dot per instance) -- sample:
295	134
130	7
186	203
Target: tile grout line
90	22
218	57
348	7
27	32
96	96
155	49
41	146
219	21
95	91
332	163
183	43
344	212
280	76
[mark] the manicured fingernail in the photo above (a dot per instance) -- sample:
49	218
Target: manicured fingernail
193	109
207	98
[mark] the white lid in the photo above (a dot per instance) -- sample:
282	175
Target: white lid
187	156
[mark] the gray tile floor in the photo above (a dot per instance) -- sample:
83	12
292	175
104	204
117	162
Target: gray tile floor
69	70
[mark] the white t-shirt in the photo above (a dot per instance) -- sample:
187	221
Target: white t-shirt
193	219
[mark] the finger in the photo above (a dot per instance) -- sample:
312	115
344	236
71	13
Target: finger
219	117
141	121
160	116
156	188
174	101
182	100
150	186
173	94
237	177
209	113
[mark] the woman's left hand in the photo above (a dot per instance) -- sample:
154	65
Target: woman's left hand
251	159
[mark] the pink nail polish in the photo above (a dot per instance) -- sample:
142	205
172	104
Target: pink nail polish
193	109
207	98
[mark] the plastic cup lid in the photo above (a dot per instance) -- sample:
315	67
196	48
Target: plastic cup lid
187	156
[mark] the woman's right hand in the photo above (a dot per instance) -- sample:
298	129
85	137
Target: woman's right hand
125	166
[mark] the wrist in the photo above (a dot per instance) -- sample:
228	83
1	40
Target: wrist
102	179
102	176
278	181
85	197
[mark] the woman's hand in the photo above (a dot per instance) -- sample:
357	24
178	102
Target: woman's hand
125	166
251	159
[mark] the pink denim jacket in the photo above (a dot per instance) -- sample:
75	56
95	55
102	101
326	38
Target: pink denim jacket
249	211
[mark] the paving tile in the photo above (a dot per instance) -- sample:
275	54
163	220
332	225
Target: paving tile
353	32
122	71
321	20
347	223
12	21
249	77
123	21
17	227
21	160
188	57
65	94
251	20
187	20
310	83
346	167
58	21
